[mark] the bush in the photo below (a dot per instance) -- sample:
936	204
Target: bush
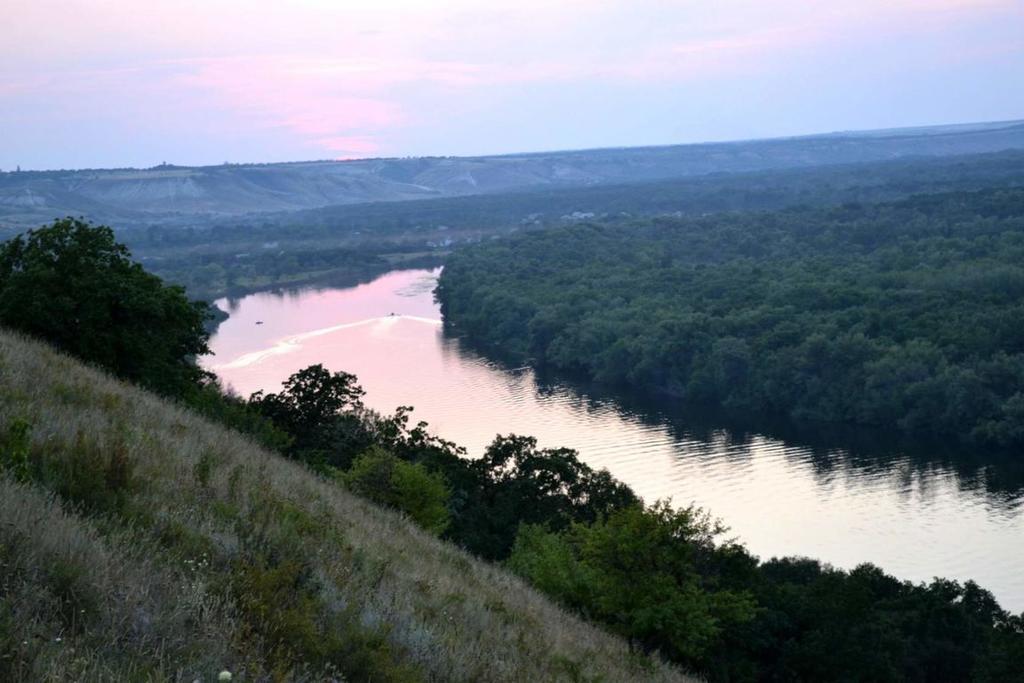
650	574
95	476
279	606
211	401
384	478
14	449
308	409
516	483
659	577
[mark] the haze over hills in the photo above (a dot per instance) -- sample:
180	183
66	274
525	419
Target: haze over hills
173	194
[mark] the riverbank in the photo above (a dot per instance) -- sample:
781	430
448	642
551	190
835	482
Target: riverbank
895	315
849	497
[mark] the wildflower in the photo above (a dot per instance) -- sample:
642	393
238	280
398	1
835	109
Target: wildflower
224	676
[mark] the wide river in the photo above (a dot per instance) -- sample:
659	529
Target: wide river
917	513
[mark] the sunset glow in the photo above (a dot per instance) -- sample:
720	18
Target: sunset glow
90	83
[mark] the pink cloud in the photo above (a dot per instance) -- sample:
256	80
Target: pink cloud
338	104
351	77
332	109
327	115
350	147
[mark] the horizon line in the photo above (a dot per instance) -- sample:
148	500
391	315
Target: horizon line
890	132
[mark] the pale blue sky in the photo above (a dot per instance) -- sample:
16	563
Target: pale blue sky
91	83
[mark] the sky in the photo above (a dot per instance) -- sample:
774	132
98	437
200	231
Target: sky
114	83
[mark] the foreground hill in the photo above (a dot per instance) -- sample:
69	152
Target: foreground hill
141	542
176	193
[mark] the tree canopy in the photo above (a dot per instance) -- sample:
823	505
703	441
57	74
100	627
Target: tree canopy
73	285
309	406
904	315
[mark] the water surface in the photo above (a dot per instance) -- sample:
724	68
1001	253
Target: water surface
916	512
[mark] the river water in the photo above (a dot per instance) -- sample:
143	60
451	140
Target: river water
917	512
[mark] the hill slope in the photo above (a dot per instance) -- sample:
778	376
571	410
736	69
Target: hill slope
175	193
143	542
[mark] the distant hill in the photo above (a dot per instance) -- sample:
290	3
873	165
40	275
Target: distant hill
173	194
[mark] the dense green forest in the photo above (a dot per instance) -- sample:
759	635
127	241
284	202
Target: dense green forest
668	580
904	314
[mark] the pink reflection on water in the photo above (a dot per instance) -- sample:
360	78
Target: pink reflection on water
273	334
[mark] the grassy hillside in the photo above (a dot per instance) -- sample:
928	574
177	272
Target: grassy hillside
140	542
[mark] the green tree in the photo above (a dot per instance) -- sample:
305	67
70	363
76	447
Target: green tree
73	285
309	408
651	574
903	314
386	479
517	483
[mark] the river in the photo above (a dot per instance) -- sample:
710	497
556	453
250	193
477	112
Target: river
916	512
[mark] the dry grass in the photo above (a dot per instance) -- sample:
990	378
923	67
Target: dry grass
178	578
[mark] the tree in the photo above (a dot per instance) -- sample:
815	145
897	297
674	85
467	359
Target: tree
517	483
903	314
386	479
73	285
310	406
651	574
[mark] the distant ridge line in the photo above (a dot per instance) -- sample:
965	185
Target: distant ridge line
865	133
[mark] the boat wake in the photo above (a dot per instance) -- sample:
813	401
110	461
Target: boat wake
294	342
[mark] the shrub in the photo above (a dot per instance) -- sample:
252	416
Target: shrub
99	478
279	606
516	483
68	582
308	408
384	478
211	401
14	449
647	573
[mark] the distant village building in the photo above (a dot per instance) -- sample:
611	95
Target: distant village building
579	216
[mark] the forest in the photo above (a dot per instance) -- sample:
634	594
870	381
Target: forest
214	257
899	314
668	580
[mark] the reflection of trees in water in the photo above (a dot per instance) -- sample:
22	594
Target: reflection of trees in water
340	280
853	454
424	284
